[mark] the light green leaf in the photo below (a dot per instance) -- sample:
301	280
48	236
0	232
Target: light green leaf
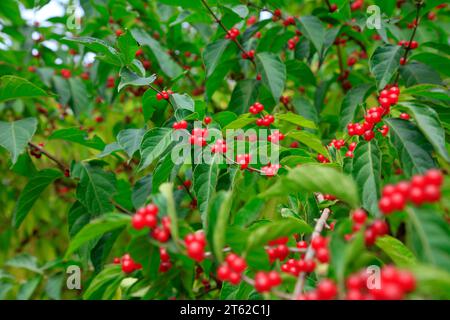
76	135
154	143
130	140
296	119
103	50
12	87
14	136
310	140
205	181
129	78
396	250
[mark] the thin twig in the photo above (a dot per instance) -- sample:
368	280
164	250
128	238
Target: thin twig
185	187
310	251
60	164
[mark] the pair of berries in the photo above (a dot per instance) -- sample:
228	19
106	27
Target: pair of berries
322	159
289	21
231	270
256	108
180	125
270	170
275	136
198	137
249	55
351	148
421	189
35	152
165	263
265	121
232	34
377	229
128	264
320	246
326	290
285	100
65	73
195	246
411	45
265	281
294	267
338	144
278	249
292	43
163	95
145	217
219	146
243	160
162	233
352	60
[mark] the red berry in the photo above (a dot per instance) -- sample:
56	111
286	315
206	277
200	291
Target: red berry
369	237
432	193
359	216
405	116
326	289
385	205
406	281
128	266
207	120
318	242
223	273
262	282
434	177
195	250
323	255
137	221
380	227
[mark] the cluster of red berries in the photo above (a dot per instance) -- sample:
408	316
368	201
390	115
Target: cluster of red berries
275	136
35	152
406	44
243	160
180	125
249	55
295	267
322	159
421	189
232	34
326	290
270	170
265	121
388	97
220	146
231	270
195	245
162	233
292	43
278	249
65	73
163	95
110	82
285	100
165	263
256	108
289	21
128	264
145	217
265	281
320	246
198	137
394	284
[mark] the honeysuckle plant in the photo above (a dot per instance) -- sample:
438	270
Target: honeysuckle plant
224	149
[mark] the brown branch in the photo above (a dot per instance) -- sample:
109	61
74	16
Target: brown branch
220	23
60	164
416	25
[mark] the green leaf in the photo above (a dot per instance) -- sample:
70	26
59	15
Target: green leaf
416	73
14	136
154	143
428	91
130	140
249	212
218	221
313	29
296	119
24	261
384	63
77	218
260	236
80	101
34	188
166	63
182	102
243	96
437	62
367	174
97	228
273	73
428	122
396	250
316	178
240	122
28	288
212	54
12	87
129	78
429	236
104	51
300	71
166	190
162	172
76	135
109	278
432	282
141	190
352	99
127	46
306	109
205	181
310	140
413	148
96	188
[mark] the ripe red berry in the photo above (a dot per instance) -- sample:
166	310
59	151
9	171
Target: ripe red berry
359	216
405	116
380	227
406	281
434	177
207	120
128	266
138	222
323	255
318	242
385	205
326	289
223	273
